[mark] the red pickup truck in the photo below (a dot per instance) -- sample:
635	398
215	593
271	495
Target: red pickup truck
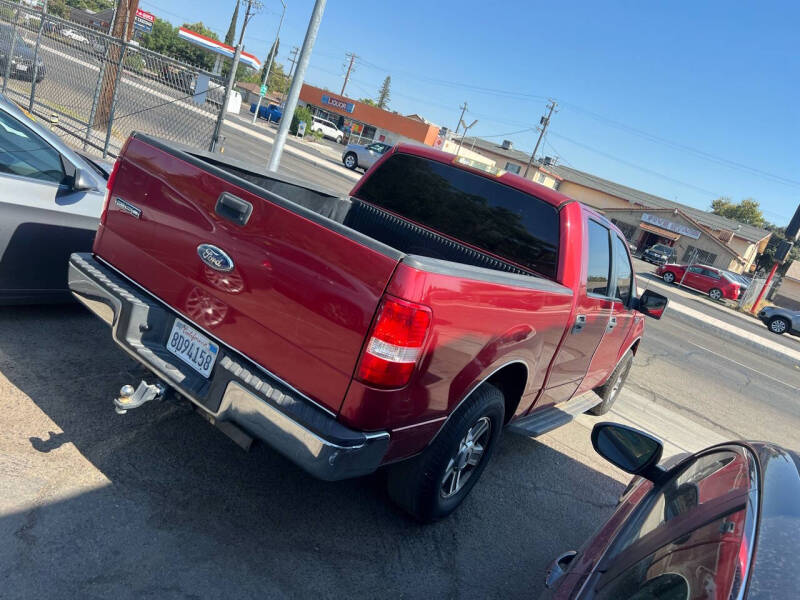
402	326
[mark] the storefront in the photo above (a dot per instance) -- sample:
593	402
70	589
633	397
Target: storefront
692	243
362	123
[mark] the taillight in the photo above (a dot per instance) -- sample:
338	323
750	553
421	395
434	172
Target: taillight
395	343
109	186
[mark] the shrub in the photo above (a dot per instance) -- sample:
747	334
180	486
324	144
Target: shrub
301	113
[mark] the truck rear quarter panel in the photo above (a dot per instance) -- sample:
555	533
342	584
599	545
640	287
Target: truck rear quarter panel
478	326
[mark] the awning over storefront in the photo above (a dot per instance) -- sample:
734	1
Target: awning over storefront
670	235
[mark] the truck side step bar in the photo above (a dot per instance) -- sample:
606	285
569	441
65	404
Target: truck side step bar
547	419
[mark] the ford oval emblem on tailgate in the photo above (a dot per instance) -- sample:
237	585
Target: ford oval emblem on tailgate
215	258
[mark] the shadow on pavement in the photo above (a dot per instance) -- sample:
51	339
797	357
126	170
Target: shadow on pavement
188	514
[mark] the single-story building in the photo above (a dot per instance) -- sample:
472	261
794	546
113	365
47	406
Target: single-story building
251	91
100	20
363	123
788	293
742	242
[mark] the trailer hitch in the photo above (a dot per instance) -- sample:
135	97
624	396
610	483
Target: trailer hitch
129	398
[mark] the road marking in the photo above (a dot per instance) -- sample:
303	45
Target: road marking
736	362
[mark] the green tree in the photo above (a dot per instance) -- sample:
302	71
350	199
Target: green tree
229	37
368	101
273	53
384	93
164	40
747	211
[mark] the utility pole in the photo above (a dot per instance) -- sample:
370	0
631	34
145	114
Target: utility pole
121	28
271	58
463	108
297	83
466	128
292	59
543	122
353	57
253	6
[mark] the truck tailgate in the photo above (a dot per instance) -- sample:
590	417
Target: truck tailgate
301	294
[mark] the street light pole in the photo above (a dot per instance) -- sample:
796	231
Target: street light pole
271	60
297	83
463	135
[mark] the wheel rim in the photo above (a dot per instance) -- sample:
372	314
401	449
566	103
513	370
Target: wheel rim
715	294
468	456
349	162
669	277
778	326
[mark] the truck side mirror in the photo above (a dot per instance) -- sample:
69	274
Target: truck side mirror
652	304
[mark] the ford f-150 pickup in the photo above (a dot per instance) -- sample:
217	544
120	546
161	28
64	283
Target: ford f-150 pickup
404	326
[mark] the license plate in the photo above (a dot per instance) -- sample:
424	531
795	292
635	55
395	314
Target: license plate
22	67
192	347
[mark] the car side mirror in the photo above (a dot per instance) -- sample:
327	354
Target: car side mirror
81	181
652	304
629	449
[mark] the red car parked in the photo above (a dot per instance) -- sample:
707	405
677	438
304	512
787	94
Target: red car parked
709	280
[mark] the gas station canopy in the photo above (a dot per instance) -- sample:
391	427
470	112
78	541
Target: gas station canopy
217	47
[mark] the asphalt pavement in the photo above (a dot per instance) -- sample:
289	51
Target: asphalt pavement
159	504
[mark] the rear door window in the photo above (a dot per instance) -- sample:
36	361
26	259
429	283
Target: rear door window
598	273
477	210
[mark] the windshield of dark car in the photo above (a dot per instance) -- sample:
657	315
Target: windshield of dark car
661	248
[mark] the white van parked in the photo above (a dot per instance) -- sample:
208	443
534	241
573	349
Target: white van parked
327	129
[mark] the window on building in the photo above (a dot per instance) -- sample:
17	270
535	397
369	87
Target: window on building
541	177
696	255
627	229
512	168
599	271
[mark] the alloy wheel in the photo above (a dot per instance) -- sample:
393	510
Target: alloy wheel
778	326
468	456
715	294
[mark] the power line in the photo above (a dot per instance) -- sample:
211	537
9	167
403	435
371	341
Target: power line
352	56
676	145
543	123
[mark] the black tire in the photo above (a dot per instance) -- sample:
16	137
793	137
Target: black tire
715	294
668	277
416	485
354	165
778	325
609	391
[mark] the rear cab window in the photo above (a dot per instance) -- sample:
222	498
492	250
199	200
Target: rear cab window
470	208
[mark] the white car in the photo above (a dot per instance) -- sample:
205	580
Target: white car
74	35
327	129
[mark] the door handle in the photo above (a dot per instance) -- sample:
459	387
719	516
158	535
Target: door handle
233	209
612	322
580	323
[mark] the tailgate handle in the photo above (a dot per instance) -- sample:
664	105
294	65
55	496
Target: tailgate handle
233	209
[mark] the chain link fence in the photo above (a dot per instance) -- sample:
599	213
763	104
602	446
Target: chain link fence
95	89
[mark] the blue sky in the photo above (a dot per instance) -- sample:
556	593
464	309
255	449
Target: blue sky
686	100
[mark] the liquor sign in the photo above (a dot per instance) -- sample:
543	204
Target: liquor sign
338	103
670	226
143	21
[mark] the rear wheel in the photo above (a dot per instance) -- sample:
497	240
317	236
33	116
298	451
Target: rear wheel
715	294
778	325
433	484
609	391
668	276
351	161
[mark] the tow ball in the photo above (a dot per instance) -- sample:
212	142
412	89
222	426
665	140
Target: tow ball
129	398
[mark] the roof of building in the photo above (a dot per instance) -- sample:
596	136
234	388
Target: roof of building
708	219
498	148
705	218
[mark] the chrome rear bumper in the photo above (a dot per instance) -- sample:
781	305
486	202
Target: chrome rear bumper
238	391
